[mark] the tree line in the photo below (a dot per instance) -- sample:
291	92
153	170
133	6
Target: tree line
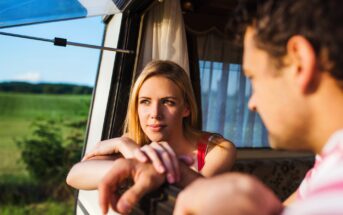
44	88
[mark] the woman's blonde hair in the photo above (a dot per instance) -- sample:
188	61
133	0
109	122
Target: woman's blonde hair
175	73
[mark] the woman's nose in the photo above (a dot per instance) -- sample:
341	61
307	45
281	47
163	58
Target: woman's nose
156	111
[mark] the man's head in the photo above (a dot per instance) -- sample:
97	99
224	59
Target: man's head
289	48
276	21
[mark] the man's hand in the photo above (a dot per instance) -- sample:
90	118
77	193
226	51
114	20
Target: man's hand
145	179
230	193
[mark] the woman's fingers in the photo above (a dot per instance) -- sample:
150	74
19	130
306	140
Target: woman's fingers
140	155
186	159
95	152
105	147
160	159
173	159
167	156
154	157
87	156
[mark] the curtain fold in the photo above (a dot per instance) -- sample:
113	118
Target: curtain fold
225	92
164	37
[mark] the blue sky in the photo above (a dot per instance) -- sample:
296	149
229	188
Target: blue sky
36	61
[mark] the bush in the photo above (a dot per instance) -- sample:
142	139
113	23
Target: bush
48	157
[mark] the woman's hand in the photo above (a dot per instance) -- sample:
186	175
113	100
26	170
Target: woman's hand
163	159
124	145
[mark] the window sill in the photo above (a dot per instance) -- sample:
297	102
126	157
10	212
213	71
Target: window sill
265	153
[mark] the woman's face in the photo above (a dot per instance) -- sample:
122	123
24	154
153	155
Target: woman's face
161	109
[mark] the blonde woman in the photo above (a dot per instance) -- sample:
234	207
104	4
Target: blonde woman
160	127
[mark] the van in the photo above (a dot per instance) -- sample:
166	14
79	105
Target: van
196	38
193	34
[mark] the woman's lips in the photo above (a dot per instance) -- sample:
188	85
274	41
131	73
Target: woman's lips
156	128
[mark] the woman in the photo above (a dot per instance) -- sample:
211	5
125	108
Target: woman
160	126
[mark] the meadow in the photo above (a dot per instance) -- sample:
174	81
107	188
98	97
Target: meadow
18	112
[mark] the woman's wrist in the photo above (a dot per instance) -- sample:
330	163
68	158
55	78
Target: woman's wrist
117	145
126	146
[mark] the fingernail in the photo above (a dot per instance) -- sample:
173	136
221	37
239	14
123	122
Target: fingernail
125	206
142	159
161	169
170	178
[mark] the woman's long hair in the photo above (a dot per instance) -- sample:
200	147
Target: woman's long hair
178	76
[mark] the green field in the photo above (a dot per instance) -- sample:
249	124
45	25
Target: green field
18	111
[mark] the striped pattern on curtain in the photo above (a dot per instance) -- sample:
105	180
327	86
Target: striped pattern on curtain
225	94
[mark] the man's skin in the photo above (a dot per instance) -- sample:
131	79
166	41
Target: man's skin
239	193
145	178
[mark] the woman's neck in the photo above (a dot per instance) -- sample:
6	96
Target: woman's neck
181	145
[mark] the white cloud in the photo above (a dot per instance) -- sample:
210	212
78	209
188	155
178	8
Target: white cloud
28	76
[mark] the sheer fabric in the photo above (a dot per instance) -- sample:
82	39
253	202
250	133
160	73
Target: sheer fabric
225	92
164	37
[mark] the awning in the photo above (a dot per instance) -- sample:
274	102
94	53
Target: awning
21	12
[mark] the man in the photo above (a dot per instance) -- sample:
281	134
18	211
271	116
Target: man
292	55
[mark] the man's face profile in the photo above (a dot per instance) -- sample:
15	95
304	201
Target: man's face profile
273	95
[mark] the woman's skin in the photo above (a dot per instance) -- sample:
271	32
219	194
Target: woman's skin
161	112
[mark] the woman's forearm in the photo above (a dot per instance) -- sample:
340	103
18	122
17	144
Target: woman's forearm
86	175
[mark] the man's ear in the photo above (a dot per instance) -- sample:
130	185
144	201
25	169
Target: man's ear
303	57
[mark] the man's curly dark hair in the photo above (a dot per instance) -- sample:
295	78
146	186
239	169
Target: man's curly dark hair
276	21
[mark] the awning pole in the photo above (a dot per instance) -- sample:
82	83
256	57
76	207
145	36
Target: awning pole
63	42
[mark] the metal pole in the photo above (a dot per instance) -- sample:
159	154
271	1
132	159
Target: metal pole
68	43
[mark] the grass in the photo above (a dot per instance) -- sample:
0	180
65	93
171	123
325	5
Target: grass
49	207
18	111
29	106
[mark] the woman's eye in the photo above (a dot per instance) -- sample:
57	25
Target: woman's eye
144	102
168	102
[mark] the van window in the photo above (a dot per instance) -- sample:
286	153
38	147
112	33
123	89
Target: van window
224	90
225	94
45	98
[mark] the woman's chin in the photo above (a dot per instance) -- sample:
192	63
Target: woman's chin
157	138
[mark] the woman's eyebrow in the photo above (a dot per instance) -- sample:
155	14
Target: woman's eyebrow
170	97
143	97
166	97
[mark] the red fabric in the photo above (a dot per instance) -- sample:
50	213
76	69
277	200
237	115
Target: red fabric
202	146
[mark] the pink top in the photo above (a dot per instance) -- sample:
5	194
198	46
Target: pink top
321	191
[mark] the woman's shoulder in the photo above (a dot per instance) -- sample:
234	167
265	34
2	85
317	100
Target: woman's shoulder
212	137
217	140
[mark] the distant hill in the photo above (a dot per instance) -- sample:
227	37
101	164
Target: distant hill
44	88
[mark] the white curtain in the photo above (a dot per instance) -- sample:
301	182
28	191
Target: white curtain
164	37
225	92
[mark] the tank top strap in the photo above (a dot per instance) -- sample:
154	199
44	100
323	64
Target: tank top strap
202	150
